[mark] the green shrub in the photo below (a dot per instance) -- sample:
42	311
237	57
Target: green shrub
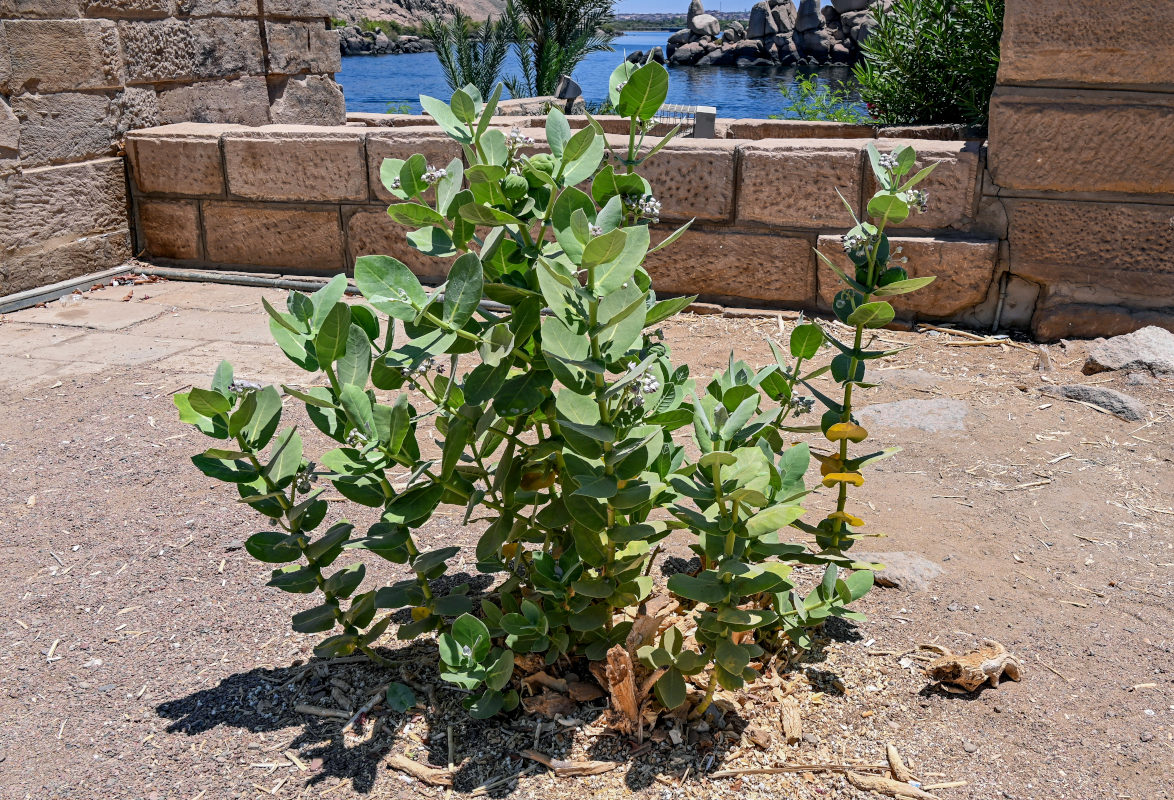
932	61
559	419
810	99
470	52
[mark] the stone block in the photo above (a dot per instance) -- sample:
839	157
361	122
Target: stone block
169	229
171	50
692	178
1119	251
49	207
1086	43
9	130
296	47
793	182
953	186
39	9
5	65
307	100
220	8
965	269
1082	141
757	129
62	55
57	128
119	349
301	8
721	266
289	239
371	232
244	101
56	260
1060	320
404	143
137	107
297	164
178	159
130	9
102	315
193	325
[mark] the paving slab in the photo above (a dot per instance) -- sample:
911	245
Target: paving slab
931	416
113	349
206	326
82	312
253	362
27	374
19	340
206	296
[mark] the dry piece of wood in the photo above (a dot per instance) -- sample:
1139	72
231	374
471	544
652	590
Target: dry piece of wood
947	785
380	693
897	766
570	769
318	711
433	776
792	721
972	670
490	785
544	679
732	773
888	786
621	687
644	630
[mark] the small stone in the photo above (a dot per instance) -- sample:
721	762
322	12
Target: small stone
675	735
969	747
1151	348
1116	403
932	416
235	544
1147	737
953	607
999	709
908	572
810	738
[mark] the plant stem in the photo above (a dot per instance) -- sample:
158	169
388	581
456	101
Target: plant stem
706	701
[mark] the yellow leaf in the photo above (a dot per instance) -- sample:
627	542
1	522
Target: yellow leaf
854	478
846	430
830	464
420	612
847	518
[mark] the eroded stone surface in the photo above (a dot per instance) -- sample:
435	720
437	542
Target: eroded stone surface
909	572
62	55
68	126
302	47
51	206
963	268
953	185
403	144
306	240
244	101
693	178
180	159
169	229
281	165
309	100
795	186
1082	141
1116	403
714	264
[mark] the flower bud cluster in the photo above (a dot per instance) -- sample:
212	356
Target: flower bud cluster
645	206
240	387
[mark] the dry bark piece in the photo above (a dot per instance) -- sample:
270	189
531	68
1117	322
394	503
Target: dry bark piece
549	704
897	766
570	769
433	776
759	735
888	786
792	721
971	670
583	692
547	680
644	630
529	663
621	687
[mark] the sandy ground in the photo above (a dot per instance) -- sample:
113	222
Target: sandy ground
141	655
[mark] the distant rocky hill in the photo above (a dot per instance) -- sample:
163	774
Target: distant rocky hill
411	12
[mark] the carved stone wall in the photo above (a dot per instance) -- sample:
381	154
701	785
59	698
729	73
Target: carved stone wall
77	75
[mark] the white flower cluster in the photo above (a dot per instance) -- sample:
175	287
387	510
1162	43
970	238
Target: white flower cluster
243	387
919	199
802	405
645	384
425	366
356	438
855	242
517	139
645	206
888	161
434	174
596	230
305	478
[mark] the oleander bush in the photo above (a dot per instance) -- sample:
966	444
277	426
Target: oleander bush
932	61
563	430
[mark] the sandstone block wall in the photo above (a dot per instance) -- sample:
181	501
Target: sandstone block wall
77	75
308	201
1081	162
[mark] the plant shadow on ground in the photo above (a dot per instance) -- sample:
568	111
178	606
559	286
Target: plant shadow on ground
263	701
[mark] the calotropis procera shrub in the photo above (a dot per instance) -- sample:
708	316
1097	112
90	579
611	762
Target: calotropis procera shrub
559	420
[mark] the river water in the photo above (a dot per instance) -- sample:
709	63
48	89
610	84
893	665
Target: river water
373	83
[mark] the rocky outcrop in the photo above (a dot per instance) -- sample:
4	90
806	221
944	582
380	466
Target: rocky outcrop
354	41
777	33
